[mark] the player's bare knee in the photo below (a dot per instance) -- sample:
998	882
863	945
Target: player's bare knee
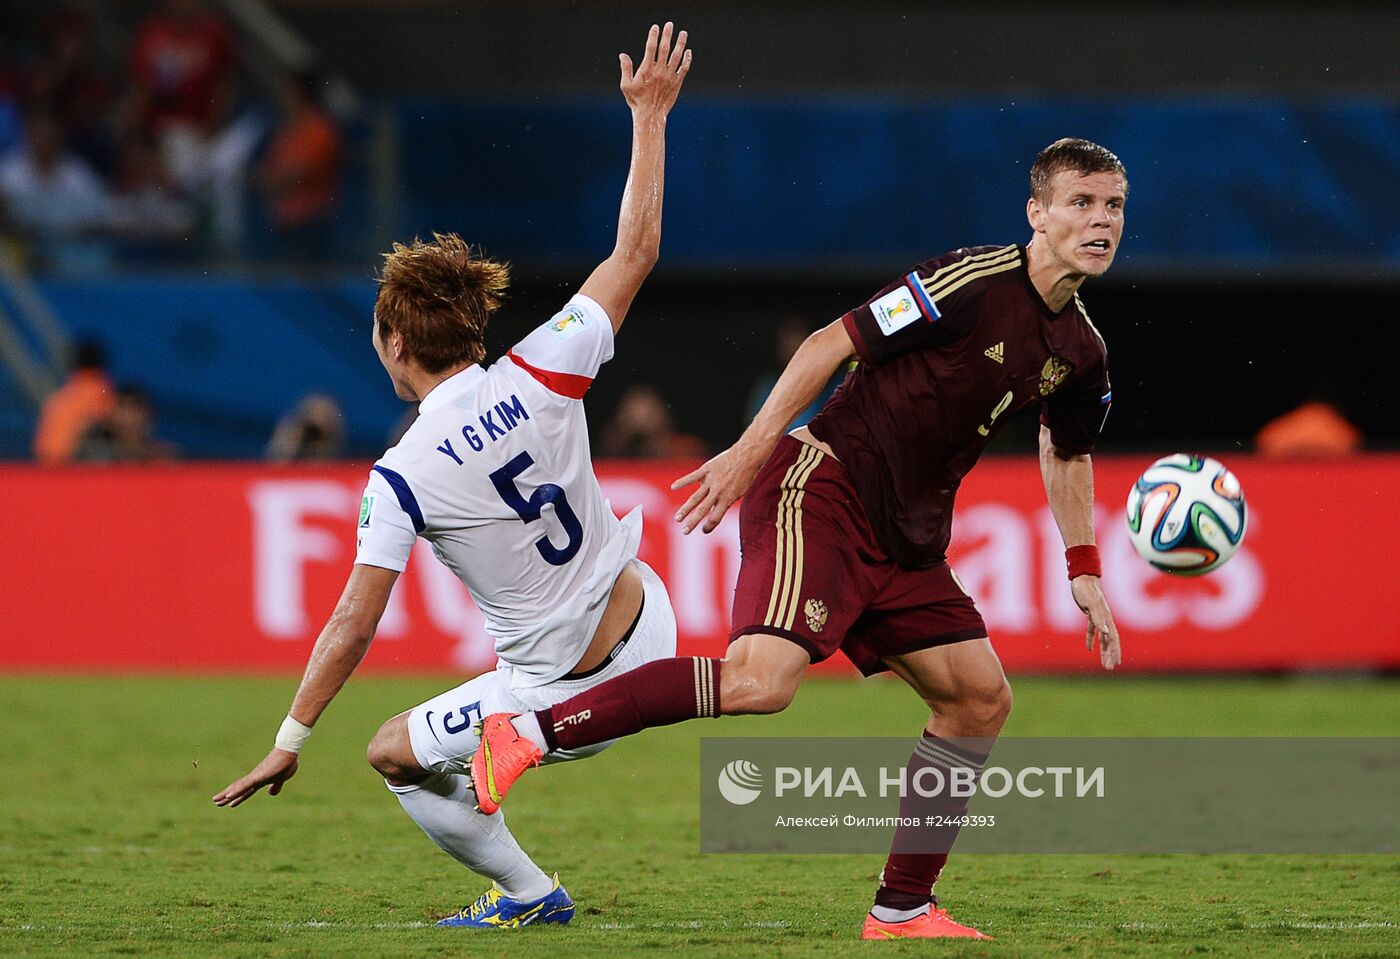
386	753
753	691
378	755
774	698
1000	703
975	710
761	674
986	707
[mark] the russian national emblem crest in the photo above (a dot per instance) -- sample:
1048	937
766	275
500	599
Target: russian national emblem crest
1052	374
816	614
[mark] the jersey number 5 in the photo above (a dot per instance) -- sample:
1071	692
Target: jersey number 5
529	510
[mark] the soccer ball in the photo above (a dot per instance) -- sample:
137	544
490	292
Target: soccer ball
1186	514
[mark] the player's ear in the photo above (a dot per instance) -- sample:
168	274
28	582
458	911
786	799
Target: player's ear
1036	215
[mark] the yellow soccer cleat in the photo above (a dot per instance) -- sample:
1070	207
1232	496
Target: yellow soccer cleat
495	911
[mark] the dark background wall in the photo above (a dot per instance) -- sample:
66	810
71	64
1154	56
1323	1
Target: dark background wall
821	183
934	49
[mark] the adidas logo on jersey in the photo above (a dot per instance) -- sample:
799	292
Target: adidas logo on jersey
995	353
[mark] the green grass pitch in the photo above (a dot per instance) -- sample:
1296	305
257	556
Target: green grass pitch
109	844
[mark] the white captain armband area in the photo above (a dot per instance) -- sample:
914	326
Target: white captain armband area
565	353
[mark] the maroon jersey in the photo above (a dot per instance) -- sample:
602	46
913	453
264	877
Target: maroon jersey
950	352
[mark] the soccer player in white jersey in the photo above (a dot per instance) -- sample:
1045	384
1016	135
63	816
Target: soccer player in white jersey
495	474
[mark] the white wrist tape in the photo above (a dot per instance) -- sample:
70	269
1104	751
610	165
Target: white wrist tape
292	736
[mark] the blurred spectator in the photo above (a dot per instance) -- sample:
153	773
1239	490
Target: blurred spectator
182	62
74	407
67	82
180	56
787	337
149	212
301	171
210	163
11	127
642	428
53	198
126	434
315	430
1315	429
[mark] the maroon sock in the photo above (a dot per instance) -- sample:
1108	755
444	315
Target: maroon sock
659	693
908	877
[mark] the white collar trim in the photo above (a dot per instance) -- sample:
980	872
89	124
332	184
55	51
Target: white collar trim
450	389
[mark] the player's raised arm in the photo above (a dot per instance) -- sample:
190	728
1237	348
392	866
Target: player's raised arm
727	477
1069	488
342	644
651	91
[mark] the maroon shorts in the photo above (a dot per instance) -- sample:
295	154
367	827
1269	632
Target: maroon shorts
813	573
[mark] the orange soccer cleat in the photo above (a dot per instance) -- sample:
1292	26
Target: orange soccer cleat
934	924
499	760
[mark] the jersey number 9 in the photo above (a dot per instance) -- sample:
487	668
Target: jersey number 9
529	510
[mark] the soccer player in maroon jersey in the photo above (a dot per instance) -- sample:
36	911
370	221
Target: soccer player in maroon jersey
846	522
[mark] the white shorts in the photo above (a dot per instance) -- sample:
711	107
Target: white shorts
442	731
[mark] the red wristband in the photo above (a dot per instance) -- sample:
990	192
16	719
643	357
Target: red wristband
1083	561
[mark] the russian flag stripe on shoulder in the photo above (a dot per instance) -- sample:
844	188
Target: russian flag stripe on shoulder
927	305
572	385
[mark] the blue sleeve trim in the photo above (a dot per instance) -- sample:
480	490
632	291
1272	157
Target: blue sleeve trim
407	502
917	285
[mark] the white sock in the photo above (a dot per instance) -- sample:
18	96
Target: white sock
528	725
886	914
444	807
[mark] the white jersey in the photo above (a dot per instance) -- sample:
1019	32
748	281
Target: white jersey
495	473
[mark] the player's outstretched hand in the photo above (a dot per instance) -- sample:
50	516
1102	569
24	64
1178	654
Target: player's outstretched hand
656	81
722	481
1088	593
274	771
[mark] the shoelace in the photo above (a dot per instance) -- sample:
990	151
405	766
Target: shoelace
936	913
488	899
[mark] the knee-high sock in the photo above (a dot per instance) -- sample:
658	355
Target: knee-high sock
444	807
906	883
658	693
